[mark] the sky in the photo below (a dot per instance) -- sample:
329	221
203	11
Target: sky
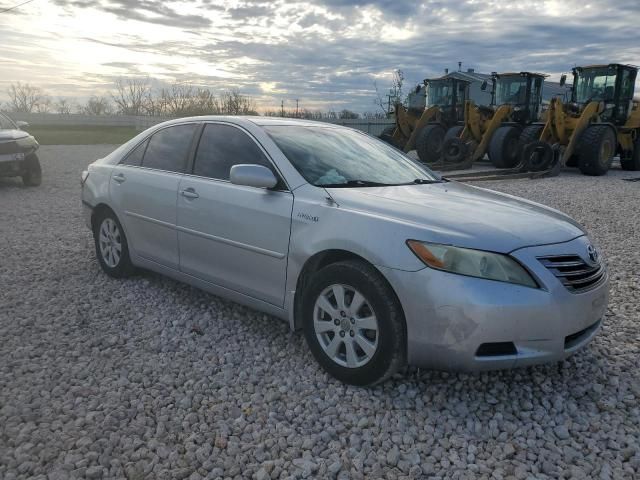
325	53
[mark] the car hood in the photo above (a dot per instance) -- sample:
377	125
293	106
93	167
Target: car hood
462	215
11	135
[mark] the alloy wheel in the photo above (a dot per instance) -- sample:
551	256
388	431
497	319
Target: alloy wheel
346	326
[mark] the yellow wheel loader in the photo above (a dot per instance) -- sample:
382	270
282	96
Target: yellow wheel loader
424	129
601	120
495	130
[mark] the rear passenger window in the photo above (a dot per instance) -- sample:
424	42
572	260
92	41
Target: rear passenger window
135	156
168	149
221	147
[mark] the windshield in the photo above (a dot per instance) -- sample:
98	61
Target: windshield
511	90
440	93
327	156
595	84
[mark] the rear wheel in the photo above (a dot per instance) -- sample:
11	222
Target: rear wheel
32	177
112	248
596	149
632	163
353	323
429	143
504	147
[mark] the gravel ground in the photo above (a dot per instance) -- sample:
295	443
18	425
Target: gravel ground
148	378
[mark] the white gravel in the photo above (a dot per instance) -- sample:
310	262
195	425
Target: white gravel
148	378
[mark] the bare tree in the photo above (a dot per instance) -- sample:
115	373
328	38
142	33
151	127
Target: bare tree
232	102
97	106
348	115
44	105
395	93
25	98
131	95
63	106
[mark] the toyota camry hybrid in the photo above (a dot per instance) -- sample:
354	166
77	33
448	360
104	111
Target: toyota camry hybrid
377	259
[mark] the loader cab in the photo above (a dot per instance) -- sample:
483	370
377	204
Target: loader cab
449	94
612	84
521	90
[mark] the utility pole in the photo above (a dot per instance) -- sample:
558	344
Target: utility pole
296	108
282	108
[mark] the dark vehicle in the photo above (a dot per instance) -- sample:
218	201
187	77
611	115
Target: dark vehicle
18	152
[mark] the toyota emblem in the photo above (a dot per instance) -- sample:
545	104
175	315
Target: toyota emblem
593	255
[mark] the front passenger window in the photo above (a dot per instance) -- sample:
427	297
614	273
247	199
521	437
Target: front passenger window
168	149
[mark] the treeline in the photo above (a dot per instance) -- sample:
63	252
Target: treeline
136	96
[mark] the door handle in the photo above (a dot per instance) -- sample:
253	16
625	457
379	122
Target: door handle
119	177
189	193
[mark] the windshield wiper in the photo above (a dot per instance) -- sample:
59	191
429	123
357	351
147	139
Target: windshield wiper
424	181
356	183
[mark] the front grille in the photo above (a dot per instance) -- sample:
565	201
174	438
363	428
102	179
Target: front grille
574	272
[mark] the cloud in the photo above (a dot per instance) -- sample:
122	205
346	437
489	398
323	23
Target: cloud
323	52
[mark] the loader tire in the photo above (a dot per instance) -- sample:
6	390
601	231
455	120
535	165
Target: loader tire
529	134
596	149
633	162
429	143
538	156
454	150
453	132
503	148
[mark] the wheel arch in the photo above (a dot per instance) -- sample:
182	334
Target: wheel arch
320	260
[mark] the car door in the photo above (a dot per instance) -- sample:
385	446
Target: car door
231	235
144	190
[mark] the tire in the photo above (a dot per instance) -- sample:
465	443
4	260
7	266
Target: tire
387	134
453	132
385	343
596	149
504	147
530	133
633	162
429	143
538	156
32	176
454	150
108	235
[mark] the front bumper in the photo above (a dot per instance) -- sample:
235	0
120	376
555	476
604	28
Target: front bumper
449	317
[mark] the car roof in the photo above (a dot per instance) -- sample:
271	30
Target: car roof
256	120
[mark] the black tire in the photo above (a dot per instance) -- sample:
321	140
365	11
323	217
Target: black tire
530	133
32	176
390	352
453	132
429	143
454	150
596	149
632	163
387	134
538	156
504	147
123	267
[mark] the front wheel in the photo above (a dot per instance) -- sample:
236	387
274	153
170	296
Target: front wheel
112	248
429	143
503	148
32	176
354	324
596	149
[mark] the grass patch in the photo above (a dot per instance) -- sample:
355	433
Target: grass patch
81	134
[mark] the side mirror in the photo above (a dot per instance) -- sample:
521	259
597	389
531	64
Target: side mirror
483	87
22	124
253	176
563	80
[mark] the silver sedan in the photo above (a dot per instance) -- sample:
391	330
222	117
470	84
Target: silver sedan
377	259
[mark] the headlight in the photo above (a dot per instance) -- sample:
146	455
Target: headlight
474	263
517	109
